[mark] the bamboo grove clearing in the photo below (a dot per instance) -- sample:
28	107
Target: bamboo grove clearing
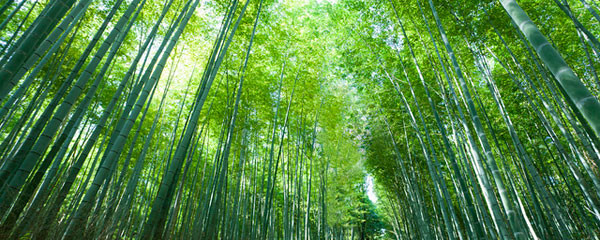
299	119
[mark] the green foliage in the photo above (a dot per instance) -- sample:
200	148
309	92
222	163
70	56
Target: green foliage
355	100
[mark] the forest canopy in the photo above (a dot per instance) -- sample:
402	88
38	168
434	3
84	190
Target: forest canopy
299	119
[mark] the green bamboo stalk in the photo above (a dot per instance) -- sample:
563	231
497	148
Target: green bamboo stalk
584	101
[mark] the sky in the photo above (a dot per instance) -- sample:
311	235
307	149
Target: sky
370	188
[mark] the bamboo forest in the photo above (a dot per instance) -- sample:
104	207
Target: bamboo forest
300	119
